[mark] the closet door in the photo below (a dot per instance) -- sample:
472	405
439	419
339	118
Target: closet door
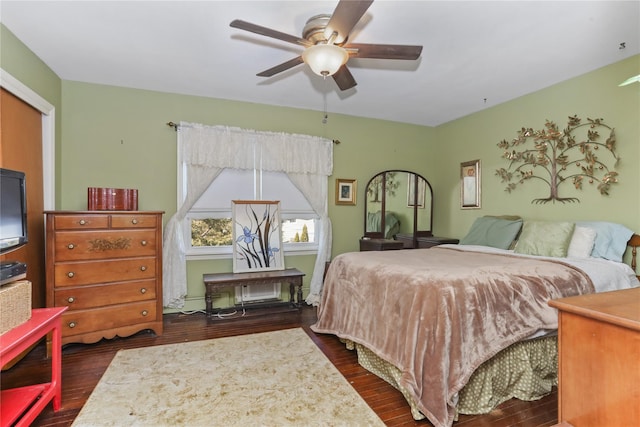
21	149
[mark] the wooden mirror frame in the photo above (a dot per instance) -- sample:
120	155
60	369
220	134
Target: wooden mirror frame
380	179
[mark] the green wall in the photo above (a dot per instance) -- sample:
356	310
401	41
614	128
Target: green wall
117	137
19	61
595	95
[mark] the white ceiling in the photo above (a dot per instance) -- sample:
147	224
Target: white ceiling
476	53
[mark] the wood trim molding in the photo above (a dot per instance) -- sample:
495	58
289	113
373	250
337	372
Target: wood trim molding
22	91
634	243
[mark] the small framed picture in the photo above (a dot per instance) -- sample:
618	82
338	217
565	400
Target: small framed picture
470	185
346	191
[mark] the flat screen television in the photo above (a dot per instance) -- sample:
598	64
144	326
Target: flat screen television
13	210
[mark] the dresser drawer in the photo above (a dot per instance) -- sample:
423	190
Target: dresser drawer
104	271
78	245
133	221
114	316
81	222
101	295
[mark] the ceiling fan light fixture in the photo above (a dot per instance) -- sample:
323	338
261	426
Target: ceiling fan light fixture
325	59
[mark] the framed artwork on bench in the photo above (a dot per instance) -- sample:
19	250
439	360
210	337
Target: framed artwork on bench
257	236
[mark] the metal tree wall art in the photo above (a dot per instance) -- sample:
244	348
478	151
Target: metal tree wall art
546	155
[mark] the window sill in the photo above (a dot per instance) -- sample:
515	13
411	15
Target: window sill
208	256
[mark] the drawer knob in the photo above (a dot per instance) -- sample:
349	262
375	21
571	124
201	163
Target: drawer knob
143	290
72	324
134	221
145	312
70	300
71	246
82	222
71	274
143	268
143	243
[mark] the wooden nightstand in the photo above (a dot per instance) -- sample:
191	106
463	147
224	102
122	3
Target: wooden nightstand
380	244
598	356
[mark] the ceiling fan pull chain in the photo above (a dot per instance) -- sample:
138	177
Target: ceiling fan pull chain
325	116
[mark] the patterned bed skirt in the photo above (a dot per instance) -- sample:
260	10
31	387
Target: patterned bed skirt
526	370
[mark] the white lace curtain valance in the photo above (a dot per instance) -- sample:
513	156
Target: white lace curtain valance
206	150
229	147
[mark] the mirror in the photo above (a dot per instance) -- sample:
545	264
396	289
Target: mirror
390	207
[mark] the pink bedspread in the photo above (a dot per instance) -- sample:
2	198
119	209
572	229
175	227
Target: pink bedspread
438	313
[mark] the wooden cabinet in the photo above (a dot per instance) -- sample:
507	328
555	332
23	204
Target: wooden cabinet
106	267
599	355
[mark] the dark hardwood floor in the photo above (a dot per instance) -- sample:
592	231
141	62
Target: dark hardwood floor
83	365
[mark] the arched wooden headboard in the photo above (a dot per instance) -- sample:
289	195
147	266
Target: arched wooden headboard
634	243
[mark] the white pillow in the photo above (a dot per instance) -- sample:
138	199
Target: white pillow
611	239
582	242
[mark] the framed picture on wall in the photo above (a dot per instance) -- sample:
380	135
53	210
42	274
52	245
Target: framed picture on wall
470	184
345	191
257	236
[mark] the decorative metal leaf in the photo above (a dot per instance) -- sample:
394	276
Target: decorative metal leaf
574	121
611	141
577	182
593	135
595	122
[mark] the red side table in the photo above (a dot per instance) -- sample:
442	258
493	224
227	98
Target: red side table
22	405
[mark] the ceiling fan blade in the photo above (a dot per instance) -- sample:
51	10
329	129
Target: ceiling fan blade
281	67
344	18
264	31
384	51
344	79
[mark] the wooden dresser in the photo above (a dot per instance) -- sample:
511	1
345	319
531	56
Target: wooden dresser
106	266
599	359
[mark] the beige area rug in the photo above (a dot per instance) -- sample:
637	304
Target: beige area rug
276	378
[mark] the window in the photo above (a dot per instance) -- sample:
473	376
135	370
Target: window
204	152
207	230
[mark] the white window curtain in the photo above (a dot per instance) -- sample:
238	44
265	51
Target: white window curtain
207	150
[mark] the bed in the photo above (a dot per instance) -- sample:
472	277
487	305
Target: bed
461	328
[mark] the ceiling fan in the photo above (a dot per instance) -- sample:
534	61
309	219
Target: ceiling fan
324	38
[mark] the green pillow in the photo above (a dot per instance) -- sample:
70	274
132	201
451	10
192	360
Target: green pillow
545	238
492	231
